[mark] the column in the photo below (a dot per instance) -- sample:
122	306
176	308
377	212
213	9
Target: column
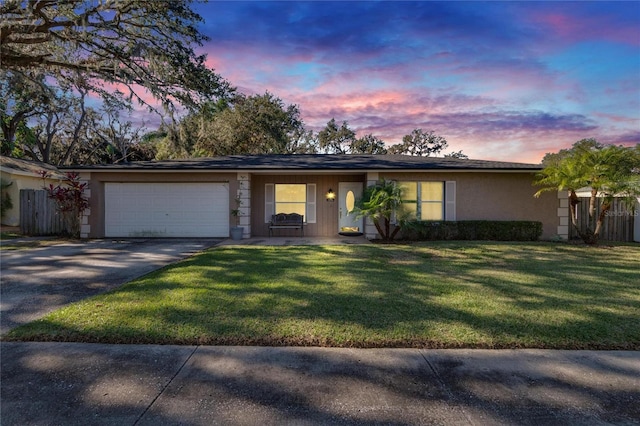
244	195
563	215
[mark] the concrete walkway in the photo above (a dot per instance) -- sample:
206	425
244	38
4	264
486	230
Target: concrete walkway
295	241
82	384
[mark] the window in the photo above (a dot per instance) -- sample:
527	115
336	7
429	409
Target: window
423	200
290	198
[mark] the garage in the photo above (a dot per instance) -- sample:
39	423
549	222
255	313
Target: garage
180	209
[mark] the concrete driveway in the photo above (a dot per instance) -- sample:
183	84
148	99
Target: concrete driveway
40	280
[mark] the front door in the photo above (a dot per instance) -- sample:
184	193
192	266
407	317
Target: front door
348	193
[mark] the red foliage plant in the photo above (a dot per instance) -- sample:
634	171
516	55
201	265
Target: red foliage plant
69	197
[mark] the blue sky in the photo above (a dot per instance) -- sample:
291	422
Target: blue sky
499	80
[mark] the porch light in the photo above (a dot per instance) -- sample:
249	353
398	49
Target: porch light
331	196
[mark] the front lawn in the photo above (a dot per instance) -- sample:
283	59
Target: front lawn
434	295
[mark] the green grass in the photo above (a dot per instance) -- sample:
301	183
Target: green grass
8	235
434	295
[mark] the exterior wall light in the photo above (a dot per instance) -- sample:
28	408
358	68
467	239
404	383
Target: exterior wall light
331	196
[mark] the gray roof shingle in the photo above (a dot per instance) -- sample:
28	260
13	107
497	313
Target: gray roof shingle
10	164
315	162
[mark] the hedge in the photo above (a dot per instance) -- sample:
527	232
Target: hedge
472	230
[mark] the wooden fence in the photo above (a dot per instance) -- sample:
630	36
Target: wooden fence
39	214
618	223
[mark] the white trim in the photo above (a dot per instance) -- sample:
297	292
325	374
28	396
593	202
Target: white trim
269	201
310	204
450	201
310	210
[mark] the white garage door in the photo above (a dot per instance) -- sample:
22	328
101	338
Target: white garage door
166	209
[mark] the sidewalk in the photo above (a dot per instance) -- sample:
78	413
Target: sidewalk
72	383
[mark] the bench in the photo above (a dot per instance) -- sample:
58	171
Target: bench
286	221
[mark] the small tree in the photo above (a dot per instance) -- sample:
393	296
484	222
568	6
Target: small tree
379	202
420	143
70	199
236	212
606	171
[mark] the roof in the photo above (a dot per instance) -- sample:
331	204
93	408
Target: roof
28	168
309	162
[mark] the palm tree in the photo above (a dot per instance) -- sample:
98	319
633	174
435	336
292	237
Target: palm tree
608	171
379	202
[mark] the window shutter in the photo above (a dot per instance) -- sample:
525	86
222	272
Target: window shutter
450	201
311	203
269	202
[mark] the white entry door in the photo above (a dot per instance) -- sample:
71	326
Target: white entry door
348	193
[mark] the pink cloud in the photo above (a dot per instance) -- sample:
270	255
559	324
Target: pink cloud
568	27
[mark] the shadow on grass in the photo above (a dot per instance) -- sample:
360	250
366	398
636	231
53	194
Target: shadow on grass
437	295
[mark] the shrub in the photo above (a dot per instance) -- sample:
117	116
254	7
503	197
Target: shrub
70	200
473	230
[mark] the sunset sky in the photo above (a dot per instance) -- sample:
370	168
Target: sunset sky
499	80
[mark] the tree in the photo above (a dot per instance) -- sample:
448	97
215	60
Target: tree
20	99
607	171
420	144
457	154
336	140
59	127
258	124
368	144
144	46
379	203
53	124
305	142
115	140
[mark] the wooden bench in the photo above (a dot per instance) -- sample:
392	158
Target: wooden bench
286	221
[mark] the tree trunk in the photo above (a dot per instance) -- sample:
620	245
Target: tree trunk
573	202
589	237
395	232
379	228
603	214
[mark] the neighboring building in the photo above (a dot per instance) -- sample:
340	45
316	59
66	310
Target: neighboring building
23	174
194	198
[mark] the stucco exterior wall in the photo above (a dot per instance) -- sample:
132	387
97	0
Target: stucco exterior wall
495	196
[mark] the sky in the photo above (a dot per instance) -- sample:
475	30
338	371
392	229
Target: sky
507	81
